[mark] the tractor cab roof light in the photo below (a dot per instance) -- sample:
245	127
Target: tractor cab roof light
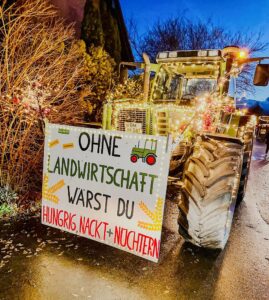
202	53
213	52
163	55
183	54
173	54
243	53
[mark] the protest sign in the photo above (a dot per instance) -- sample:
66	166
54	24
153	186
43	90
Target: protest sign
107	186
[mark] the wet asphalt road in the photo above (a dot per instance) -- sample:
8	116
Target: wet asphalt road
39	262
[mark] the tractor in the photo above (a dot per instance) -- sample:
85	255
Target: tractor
262	128
191	97
147	154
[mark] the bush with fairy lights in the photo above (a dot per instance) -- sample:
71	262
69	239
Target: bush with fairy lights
43	75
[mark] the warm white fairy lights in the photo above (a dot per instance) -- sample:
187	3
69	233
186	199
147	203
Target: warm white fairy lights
181	120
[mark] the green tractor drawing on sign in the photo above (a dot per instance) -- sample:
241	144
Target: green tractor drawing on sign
148	154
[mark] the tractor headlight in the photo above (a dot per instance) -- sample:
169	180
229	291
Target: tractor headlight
202	53
163	55
213	52
173	54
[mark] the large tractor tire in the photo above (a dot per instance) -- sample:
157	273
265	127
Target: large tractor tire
210	186
245	168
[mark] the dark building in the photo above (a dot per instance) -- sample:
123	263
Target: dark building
72	11
99	22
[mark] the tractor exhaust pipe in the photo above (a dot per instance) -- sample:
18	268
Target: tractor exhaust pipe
146	77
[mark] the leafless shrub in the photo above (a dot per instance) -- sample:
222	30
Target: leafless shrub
41	76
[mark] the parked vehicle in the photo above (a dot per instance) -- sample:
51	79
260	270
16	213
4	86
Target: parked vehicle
212	141
262	128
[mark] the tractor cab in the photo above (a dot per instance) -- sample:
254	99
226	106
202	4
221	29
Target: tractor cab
185	75
184	85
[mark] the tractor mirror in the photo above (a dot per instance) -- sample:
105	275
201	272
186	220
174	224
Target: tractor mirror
261	76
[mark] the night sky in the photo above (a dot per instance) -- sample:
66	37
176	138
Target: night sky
243	15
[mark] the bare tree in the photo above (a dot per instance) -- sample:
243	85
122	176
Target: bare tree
182	33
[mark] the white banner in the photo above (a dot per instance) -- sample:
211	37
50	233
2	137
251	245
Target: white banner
107	186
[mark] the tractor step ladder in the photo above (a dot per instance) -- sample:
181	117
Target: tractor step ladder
162	122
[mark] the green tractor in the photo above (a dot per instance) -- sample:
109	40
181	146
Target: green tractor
190	100
148	154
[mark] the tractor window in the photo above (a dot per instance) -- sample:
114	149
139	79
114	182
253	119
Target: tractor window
172	86
167	86
193	87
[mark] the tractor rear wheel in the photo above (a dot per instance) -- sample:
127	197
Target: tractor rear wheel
151	159
210	186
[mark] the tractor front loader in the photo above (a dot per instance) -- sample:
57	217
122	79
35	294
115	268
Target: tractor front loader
190	100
